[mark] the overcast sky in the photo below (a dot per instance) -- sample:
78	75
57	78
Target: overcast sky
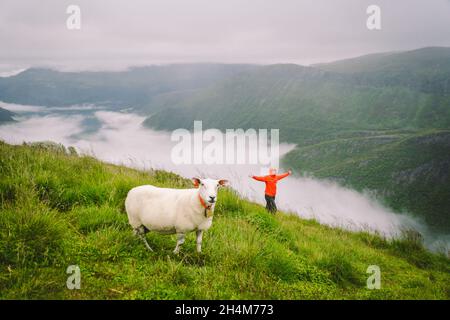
115	33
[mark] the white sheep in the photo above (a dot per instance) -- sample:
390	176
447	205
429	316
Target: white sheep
170	211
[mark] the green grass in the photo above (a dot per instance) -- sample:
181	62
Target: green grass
59	210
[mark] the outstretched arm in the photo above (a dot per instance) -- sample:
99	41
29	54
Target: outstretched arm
258	178
284	175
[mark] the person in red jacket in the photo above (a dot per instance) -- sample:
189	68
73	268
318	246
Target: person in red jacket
271	187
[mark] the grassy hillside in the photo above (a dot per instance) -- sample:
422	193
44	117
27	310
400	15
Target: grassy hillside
59	209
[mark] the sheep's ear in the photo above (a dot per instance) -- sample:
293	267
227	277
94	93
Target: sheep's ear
196	181
223	182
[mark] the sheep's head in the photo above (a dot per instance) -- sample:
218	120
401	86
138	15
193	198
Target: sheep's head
208	188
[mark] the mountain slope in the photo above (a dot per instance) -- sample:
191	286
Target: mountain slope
408	171
426	69
305	103
135	87
424	59
58	210
402	90
6	115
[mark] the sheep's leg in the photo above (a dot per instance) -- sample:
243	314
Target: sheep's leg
140	231
199	240
180	241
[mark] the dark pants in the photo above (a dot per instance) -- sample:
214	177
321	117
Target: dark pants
270	204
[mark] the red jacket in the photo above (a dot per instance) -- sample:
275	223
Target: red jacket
271	182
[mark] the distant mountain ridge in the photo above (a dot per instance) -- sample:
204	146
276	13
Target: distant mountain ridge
133	87
425	69
429	57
